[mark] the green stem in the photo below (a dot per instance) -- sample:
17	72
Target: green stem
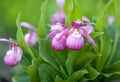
98	67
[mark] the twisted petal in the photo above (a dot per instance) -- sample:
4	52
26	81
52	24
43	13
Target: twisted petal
86	34
52	34
27	25
63	33
6	40
57	26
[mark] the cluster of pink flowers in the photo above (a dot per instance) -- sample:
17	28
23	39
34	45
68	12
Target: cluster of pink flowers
14	54
62	37
69	37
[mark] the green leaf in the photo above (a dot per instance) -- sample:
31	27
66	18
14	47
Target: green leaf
110	74
100	7
68	6
76	75
42	23
112	70
58	79
113	48
20	38
105	50
72	11
76	13
47	73
62	56
104	15
24	77
20	35
84	59
93	73
96	34
64	74
117	12
32	71
48	55
83	79
116	65
25	60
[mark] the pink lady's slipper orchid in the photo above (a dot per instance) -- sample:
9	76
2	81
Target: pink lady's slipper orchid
13	55
72	38
32	37
75	40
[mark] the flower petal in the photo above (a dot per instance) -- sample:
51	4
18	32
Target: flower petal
6	40
85	19
57	26
63	33
27	25
77	24
59	44
13	56
31	38
52	34
89	28
75	41
86	34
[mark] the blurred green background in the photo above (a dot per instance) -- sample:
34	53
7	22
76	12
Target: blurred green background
30	12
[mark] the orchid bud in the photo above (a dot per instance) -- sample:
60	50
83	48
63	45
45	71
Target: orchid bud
32	37
60	3
75	41
13	55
